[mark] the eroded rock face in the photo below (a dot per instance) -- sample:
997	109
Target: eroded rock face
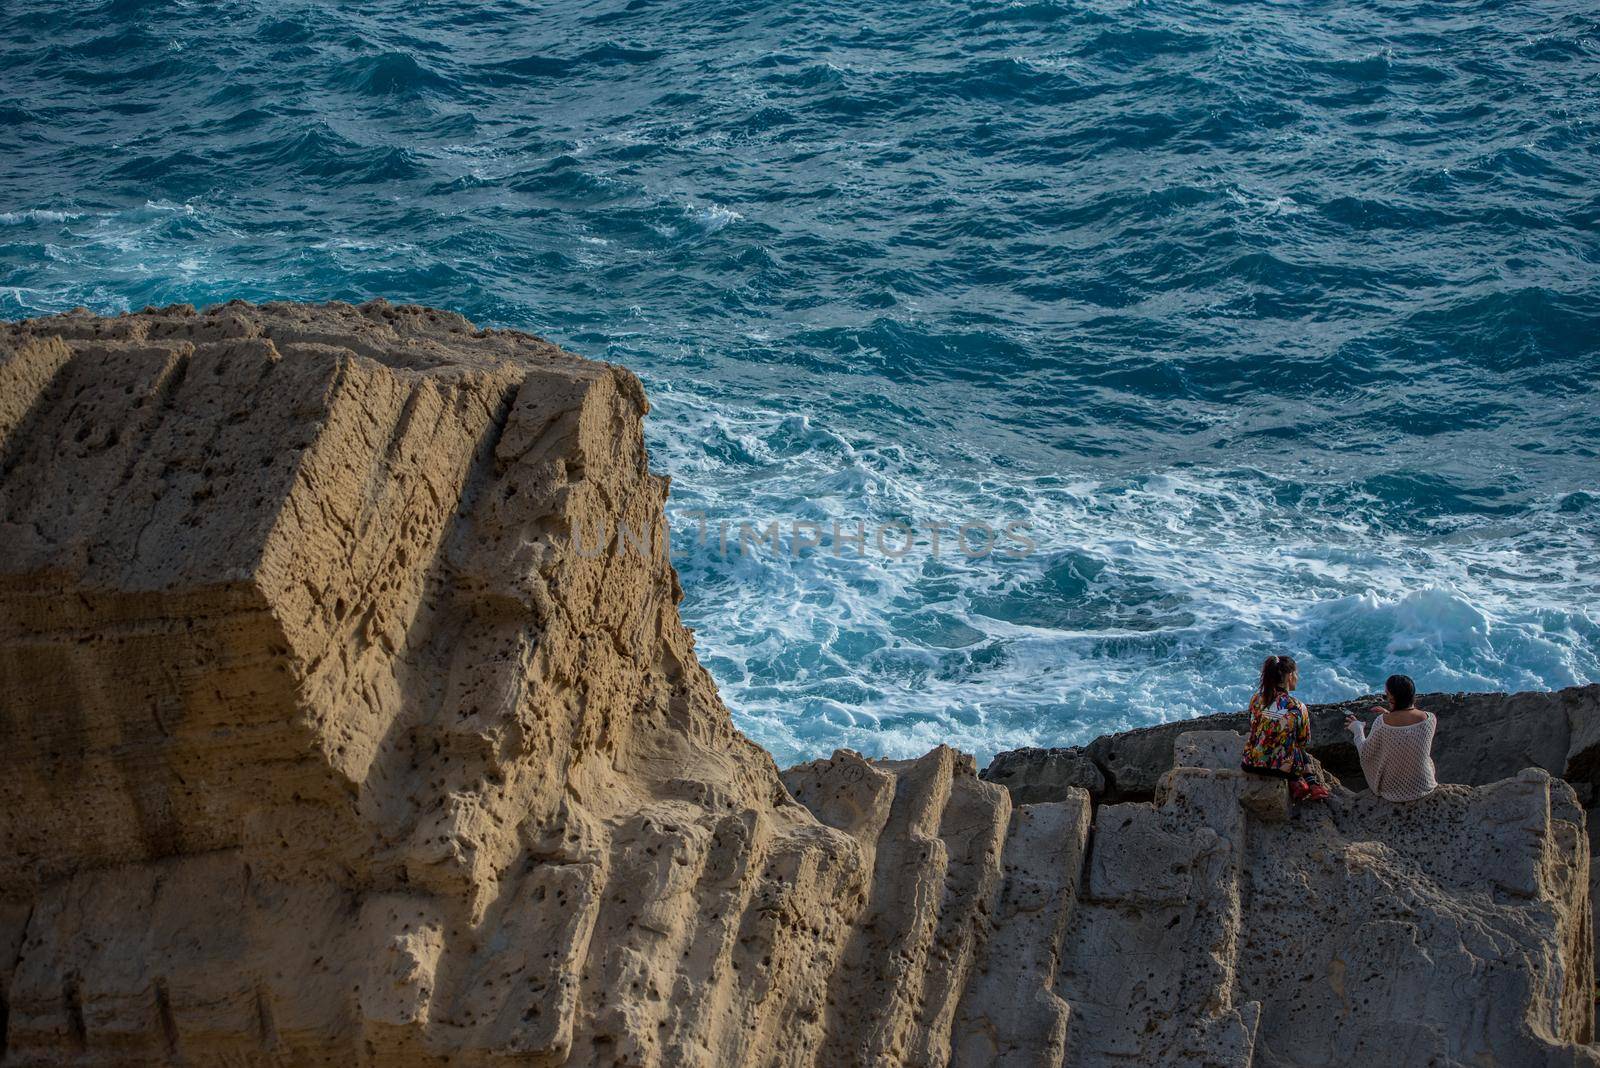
1482	738
347	712
346	717
1217	931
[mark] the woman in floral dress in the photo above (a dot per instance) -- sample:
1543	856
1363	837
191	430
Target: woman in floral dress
1280	731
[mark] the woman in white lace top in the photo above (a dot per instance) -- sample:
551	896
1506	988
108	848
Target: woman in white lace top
1397	751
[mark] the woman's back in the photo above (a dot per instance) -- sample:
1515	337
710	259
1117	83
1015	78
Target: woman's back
1280	731
1404	718
1280	726
1397	759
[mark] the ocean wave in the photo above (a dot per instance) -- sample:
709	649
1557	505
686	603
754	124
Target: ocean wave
391	74
1149	598
36	215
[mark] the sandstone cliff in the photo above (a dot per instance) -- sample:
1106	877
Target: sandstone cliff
1483	737
346	717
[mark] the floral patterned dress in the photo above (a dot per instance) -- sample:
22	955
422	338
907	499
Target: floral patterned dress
1280	732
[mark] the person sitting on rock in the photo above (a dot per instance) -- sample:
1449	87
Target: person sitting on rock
1280	731
1397	756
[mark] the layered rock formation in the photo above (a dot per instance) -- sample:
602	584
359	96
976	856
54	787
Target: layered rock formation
1482	738
346	717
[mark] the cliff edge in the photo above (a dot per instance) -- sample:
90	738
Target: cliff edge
346	717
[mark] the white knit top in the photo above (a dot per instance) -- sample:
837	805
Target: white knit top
1398	761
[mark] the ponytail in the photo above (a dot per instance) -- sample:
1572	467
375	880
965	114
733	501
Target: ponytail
1275	674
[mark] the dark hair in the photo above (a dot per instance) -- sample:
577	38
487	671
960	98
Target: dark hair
1402	690
1274	674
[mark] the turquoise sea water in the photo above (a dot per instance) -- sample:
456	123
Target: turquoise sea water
1278	324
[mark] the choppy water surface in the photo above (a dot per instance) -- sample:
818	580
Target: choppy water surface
1278	324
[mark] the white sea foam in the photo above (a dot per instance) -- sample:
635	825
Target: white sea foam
36	215
1150	598
712	217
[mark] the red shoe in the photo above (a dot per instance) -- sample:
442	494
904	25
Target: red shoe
1303	791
